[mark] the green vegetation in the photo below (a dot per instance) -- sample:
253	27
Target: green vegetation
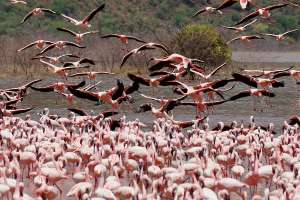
139	16
201	42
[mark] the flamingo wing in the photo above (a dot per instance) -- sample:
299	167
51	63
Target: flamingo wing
144	108
118	91
241	94
49	88
78	74
67	43
20	111
232	40
136	39
78	111
139	79
132	88
110	36
225	4
159	65
255	37
109	113
86	60
248	17
51	46
159	73
84	94
282	74
67	31
202	10
229	27
93	13
214	103
48	10
291	31
277	6
163	47
27	46
221	83
125	58
267	93
248	80
76	86
70	19
27	17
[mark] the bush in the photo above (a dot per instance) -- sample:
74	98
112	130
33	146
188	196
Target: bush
201	42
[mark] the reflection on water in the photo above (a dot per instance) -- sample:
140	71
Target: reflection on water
285	103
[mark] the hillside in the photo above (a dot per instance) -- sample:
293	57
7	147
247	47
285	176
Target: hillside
141	16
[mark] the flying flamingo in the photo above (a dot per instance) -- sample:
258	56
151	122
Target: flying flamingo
54	59
208	9
246	38
263	12
266	73
61	71
91	75
78	36
123	38
79	62
85	23
39	44
35	12
240	28
256	82
228	3
58	87
60	45
279	37
18	2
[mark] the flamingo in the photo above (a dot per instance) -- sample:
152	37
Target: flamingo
240	28
279	37
18	2
54	59
60	45
35	12
263	12
78	36
79	63
123	38
208	9
61	71
85	23
91	75
246	38
39	44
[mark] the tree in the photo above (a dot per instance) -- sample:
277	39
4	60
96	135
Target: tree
201	42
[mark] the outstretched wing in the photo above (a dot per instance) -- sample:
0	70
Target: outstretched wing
139	79
84	94
248	80
27	17
78	111
199	12
248	17
136	39
20	111
66	31
93	13
242	94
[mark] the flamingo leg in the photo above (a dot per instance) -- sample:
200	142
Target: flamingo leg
60	190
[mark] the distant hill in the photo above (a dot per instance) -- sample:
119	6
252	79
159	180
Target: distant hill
141	16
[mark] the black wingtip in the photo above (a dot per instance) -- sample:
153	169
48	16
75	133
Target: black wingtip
278	84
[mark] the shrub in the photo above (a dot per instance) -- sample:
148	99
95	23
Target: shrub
201	42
